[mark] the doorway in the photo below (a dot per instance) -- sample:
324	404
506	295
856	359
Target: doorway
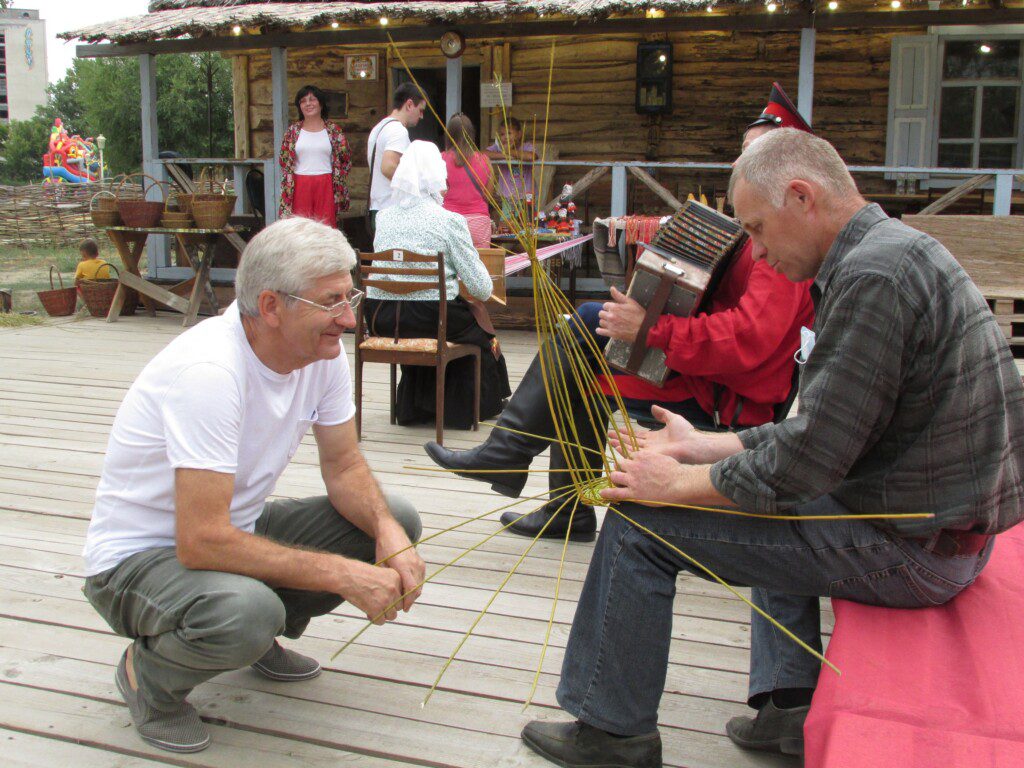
433	81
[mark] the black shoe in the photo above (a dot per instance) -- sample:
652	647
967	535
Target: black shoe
584	521
578	745
480	458
773	730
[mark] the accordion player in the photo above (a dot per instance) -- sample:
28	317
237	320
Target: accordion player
677	275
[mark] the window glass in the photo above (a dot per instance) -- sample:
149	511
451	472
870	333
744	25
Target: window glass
956	118
999	112
967	59
996	155
955	155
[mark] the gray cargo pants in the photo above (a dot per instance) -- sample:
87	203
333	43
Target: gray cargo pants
190	626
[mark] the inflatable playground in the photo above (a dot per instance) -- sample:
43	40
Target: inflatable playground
71	159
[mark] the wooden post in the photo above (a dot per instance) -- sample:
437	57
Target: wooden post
619	188
240	103
279	94
156	248
1004	194
453	88
805	83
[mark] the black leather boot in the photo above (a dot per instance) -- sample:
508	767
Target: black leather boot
773	730
527	411
578	745
584	520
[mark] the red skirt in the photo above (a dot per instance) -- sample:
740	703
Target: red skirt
314	199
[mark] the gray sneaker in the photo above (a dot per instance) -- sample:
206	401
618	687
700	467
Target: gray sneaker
180	730
286	666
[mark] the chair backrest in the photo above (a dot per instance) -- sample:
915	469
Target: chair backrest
427	280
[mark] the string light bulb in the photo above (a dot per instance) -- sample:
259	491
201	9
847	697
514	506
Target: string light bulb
985	48
383	21
334	25
236	30
655	13
895	4
833	5
711	8
771	7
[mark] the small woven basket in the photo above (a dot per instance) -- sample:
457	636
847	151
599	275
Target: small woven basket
103	210
211	210
139	213
172	219
58	302
98	295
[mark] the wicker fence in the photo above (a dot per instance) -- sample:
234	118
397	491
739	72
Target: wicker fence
48	214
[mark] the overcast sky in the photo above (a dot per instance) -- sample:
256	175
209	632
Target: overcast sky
63	15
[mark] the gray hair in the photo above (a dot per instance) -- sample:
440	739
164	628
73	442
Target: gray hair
289	256
784	154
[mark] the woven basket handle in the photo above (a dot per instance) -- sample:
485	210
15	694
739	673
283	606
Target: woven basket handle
101	192
155	183
53	269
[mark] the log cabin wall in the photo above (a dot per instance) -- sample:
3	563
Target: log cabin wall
720	80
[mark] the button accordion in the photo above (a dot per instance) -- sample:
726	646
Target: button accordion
677	274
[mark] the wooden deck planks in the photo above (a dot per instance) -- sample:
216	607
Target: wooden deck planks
59	390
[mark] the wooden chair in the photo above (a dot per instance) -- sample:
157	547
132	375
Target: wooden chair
435	352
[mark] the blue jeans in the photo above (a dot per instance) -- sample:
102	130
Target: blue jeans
616	660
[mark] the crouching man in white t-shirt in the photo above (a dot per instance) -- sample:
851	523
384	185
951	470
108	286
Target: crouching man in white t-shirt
184	553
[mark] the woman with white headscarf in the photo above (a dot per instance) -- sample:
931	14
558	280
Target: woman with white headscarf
416	222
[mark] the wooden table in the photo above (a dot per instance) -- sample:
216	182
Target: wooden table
197	244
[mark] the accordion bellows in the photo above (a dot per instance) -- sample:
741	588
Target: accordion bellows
676	275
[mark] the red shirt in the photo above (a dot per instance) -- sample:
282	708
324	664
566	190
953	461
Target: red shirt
745	343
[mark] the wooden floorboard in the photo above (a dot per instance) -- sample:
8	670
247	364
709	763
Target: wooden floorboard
60	387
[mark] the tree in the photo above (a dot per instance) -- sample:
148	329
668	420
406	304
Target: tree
64	101
189	119
24	149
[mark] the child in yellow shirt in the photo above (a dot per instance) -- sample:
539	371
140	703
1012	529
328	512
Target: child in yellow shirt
91	267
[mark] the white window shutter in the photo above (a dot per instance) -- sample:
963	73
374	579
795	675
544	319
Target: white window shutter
912	79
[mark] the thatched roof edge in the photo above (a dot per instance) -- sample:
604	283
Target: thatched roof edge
170	19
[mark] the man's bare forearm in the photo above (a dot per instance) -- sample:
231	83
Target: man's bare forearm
353	488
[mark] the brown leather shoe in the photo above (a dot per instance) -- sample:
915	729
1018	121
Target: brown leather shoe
578	745
773	730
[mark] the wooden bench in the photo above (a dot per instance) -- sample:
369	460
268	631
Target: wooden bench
930	687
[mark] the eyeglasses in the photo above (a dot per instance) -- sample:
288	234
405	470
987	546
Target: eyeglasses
334	310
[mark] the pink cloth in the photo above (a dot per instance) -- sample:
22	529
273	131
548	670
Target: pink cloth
462	196
479	229
931	687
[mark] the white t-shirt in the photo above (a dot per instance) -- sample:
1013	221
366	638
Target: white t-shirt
388	134
205	402
313	153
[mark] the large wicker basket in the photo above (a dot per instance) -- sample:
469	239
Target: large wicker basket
98	295
139	212
58	302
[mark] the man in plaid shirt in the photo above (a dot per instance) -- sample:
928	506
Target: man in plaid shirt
910	402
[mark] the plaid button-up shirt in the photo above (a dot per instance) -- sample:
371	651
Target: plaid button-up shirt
909	402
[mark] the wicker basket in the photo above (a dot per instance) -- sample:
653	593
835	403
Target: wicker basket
98	295
172	219
212	209
103	210
58	302
139	213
